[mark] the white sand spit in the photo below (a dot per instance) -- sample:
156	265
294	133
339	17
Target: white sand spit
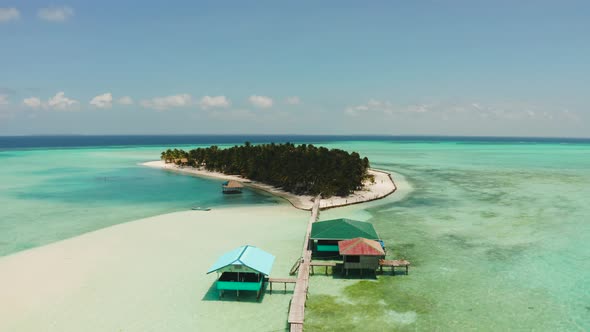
382	187
149	275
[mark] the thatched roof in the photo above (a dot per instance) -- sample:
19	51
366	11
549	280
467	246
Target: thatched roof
232	184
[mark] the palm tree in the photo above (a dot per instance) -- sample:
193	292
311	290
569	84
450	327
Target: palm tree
302	169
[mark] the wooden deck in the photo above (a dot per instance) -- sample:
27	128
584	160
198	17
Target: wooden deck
297	307
304	266
393	264
324	264
284	281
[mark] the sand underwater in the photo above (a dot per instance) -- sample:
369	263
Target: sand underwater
497	234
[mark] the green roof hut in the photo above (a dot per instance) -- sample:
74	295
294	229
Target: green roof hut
242	269
232	187
325	235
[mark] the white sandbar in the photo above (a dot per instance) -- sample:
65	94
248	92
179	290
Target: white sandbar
382	187
149	275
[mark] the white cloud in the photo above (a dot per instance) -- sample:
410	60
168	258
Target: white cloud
518	110
61	103
5	112
211	102
372	105
356	110
387	108
477	106
229	115
4	100
376	103
102	101
32	102
55	14
503	111
260	101
9	14
293	100
126	100
168	102
418	108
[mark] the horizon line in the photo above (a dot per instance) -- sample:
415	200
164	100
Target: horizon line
301	135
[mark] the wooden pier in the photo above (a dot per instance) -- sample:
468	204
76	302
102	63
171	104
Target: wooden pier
284	281
304	266
297	307
324	264
393	264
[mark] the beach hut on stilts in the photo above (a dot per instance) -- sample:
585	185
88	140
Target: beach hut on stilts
326	235
360	254
242	269
232	187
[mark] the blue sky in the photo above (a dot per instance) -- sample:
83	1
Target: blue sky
517	68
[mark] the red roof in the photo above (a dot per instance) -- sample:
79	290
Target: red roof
360	247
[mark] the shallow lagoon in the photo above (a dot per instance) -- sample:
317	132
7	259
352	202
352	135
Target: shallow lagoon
497	234
50	195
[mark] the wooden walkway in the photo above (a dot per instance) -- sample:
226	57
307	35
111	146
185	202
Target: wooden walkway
393	264
297	307
324	264
284	281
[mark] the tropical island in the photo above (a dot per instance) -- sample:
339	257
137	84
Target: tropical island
295	172
302	170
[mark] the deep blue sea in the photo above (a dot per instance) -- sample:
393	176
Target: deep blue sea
37	142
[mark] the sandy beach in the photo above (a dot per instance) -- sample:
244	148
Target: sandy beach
149	275
382	187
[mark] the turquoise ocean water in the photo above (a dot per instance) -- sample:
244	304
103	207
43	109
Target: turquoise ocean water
49	195
498	232
498	235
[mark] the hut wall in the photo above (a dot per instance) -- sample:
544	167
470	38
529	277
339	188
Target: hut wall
364	263
240	281
327	246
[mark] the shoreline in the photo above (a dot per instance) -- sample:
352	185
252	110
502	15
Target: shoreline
119	278
123	271
381	188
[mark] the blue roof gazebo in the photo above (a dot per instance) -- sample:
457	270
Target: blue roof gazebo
242	269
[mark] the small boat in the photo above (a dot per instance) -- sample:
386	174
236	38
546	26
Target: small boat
198	208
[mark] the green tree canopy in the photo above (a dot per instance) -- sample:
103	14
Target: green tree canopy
300	169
